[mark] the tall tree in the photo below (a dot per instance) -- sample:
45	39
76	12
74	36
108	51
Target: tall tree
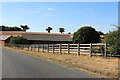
24	27
49	29
61	30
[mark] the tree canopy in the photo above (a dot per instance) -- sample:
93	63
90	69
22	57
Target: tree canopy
86	34
100	33
49	29
6	28
24	27
61	30
113	39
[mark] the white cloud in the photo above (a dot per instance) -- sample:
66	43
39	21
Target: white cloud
51	9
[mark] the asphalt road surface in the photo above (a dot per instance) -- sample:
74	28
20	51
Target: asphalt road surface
17	65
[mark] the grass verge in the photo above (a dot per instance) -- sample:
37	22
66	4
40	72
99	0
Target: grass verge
99	66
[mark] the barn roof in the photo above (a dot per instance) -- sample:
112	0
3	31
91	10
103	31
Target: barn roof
4	37
40	35
22	32
13	33
47	37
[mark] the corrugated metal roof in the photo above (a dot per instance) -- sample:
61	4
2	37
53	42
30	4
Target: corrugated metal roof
4	37
47	37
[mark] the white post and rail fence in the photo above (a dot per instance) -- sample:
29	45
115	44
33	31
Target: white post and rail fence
78	49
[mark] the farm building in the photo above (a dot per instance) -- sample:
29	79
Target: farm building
5	39
37	37
13	33
48	38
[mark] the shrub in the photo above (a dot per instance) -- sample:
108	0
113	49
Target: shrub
86	34
113	38
18	40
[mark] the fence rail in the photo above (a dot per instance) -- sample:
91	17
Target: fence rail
78	49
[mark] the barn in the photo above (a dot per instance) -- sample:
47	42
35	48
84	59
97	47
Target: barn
48	38
36	37
5	39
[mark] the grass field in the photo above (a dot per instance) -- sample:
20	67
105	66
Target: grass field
99	66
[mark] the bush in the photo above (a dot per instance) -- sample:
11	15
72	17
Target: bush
86	34
113	38
18	40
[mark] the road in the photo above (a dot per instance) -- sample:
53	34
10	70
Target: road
18	65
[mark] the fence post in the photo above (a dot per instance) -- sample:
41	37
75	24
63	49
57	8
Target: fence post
68	48
42	47
48	48
34	47
28	47
15	46
78	49
31	47
60	48
53	48
19	46
25	46
38	47
22	46
90	49
105	53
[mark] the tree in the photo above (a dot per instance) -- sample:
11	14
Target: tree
2	28
100	33
86	34
18	40
117	26
61	30
49	29
113	39
24	27
69	33
6	28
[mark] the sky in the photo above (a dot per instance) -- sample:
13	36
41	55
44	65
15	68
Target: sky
69	15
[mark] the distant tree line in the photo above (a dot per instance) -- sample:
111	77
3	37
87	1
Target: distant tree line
6	28
9	28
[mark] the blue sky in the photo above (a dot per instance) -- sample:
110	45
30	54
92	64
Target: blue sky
69	15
